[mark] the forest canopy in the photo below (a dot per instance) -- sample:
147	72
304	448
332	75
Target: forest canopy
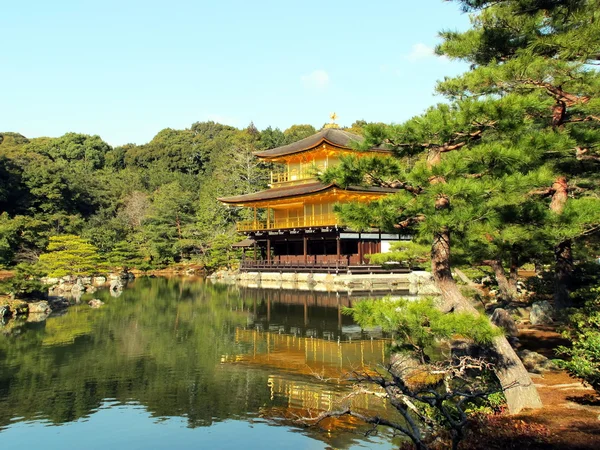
144	206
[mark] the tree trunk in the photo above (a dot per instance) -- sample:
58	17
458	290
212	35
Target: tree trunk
507	293
563	273
516	383
563	255
513	277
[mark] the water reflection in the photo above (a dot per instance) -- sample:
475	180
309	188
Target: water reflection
181	349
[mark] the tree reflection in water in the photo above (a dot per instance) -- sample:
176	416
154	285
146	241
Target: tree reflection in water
180	347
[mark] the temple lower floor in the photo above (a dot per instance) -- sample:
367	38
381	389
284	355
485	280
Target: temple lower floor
315	247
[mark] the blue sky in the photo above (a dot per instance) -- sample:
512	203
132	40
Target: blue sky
127	69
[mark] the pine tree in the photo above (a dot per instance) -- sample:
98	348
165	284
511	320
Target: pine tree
69	254
545	50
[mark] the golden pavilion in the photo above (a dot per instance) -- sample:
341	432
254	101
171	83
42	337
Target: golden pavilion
294	223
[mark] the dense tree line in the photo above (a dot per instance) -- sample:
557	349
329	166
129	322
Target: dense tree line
142	206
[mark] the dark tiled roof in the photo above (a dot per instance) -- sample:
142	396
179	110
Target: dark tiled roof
244	243
334	136
298	190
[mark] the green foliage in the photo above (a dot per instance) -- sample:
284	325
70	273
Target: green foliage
125	255
221	254
69	254
157	199
24	282
584	333
407	252
420	324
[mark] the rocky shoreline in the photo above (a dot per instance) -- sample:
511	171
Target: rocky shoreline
62	293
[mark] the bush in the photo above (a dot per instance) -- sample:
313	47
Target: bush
584	333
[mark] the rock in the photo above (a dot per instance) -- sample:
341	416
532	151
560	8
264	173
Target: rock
98	281
523	312
65	287
91	289
421	282
501	318
39	308
114	276
95	303
116	293
49	280
126	276
37	317
17	307
536	363
541	313
116	285
4	311
77	288
85	280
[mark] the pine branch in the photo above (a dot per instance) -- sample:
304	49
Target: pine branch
410	222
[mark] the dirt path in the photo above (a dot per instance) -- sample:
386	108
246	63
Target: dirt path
570	418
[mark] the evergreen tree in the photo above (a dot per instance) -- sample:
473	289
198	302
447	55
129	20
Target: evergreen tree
69	254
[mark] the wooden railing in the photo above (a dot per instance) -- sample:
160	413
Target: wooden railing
291	222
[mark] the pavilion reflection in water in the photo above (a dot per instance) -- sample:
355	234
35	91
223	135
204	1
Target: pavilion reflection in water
308	346
313	314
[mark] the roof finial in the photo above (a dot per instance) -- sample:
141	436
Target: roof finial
333	116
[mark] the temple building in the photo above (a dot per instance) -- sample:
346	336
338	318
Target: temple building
294	225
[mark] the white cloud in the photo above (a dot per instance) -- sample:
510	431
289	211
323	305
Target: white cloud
421	51
317	79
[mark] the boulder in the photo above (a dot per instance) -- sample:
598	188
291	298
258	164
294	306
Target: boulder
65	287
116	293
86	280
542	313
91	289
17	307
98	281
49	280
535	362
39	308
77	288
95	303
501	318
116	285
37	317
4	311
422	283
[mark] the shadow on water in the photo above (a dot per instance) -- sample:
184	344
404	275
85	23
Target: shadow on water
180	348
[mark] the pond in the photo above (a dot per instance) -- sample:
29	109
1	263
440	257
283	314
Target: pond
179	363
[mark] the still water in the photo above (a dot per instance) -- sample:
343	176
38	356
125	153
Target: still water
177	363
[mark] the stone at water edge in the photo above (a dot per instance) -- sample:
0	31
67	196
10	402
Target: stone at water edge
98	281
542	313
95	303
39	307
116	285
4	312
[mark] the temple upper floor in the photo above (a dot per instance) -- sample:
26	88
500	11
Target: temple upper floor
303	161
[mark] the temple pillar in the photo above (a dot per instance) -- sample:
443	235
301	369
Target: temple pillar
268	250
305	245
360	251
